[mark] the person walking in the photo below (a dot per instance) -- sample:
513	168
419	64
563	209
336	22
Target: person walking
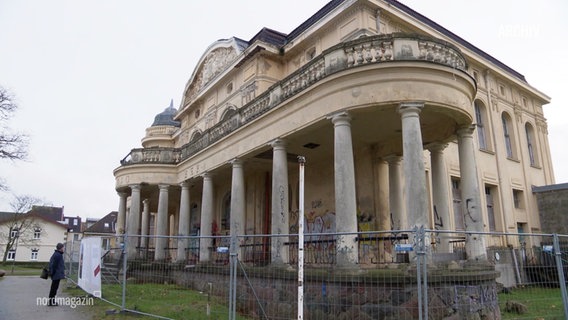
57	272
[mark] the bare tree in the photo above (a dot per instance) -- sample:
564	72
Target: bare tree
13	145
18	227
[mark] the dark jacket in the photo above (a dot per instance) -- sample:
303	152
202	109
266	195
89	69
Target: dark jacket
57	266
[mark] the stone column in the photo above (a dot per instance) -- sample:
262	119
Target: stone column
280	210
183	226
413	166
237	204
162	223
121	217
396	199
473	221
383	207
133	224
206	242
144	228
345	197
440	194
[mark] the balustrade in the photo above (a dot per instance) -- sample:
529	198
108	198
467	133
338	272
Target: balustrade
352	54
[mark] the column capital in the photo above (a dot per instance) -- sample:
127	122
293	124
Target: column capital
465	131
207	175
414	107
122	194
278	143
436	147
146	201
135	187
236	162
184	184
393	158
340	118
164	186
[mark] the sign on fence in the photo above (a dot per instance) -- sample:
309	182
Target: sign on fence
89	276
403	247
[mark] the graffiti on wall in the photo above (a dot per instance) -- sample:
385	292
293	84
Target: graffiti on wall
318	223
366	222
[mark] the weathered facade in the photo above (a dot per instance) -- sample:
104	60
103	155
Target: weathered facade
552	203
402	124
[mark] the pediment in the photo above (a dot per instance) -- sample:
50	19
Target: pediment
216	59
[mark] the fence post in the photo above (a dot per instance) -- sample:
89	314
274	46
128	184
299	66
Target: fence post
124	266
301	161
560	269
233	255
421	271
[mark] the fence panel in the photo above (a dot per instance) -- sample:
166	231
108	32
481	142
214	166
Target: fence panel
190	277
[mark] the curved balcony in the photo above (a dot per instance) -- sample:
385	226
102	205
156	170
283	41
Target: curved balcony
341	57
152	155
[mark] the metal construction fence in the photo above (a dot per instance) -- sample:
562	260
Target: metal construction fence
409	274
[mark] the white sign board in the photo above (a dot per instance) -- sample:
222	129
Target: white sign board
89	278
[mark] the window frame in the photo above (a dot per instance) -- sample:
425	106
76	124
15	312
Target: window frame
11	255
533	156
14	232
34	254
480	118
508	136
37	233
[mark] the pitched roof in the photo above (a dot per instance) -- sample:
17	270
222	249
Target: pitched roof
456	38
277	40
105	225
48	212
6	215
12	216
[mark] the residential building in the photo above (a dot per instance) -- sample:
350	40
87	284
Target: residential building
401	122
30	236
105	228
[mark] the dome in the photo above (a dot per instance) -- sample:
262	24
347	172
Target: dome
166	117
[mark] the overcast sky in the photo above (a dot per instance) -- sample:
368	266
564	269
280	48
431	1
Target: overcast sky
89	76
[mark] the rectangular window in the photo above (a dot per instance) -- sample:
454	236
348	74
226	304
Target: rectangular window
490	209
480	127
11	255
521	228
457	204
106	244
530	144
37	234
502	90
34	254
518	199
14	233
507	136
75	221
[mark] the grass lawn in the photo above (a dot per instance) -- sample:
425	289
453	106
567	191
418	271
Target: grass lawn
20	271
541	303
174	302
168	301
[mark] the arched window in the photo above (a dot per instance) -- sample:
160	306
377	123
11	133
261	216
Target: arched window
195	136
481	120
229	112
531	144
508	135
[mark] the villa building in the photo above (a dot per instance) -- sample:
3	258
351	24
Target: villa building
402	124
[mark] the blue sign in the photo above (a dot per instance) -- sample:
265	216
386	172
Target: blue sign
403	247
